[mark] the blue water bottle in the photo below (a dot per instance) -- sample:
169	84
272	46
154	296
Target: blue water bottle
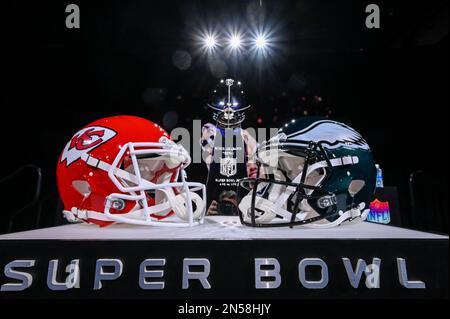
379	183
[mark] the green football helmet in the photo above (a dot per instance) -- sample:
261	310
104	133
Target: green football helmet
314	172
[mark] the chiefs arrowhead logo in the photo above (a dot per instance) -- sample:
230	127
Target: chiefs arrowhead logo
85	141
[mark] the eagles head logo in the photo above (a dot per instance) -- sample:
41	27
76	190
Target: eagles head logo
85	141
333	134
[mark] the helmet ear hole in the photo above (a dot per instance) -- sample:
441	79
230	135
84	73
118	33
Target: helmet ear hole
355	186
82	187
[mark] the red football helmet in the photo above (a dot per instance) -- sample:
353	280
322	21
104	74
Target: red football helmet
127	169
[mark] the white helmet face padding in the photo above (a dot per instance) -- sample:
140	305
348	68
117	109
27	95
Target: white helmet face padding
170	197
272	200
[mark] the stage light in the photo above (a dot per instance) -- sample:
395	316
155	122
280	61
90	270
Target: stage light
261	42
265	43
235	41
210	41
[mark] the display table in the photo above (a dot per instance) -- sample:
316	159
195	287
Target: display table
223	259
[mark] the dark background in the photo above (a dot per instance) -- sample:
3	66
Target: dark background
391	84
